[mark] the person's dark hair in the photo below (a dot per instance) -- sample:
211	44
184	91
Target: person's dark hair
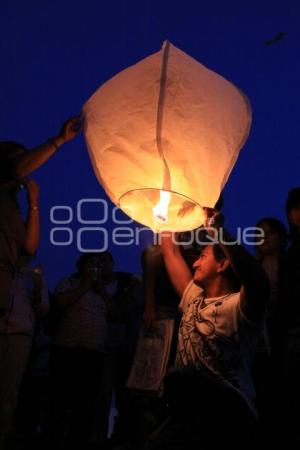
229	272
85	256
277	227
9	149
190	255
293	199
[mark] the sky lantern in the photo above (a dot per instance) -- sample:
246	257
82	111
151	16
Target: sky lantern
163	136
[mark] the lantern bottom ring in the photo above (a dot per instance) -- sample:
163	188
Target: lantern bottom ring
184	213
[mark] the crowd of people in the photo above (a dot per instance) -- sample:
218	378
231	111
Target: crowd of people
231	372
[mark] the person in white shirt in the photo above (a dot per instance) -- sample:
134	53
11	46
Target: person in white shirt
223	306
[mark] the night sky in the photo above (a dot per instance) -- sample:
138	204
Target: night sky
55	54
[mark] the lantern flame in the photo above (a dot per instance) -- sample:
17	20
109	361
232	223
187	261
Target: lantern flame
160	210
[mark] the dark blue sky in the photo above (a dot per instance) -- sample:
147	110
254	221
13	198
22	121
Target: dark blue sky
55	54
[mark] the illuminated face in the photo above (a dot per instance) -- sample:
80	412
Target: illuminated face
294	216
206	267
272	241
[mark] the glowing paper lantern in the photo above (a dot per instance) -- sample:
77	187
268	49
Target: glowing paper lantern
166	124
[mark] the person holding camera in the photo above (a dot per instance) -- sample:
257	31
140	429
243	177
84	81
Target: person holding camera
79	343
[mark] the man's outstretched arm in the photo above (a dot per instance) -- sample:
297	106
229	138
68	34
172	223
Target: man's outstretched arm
178	270
31	160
